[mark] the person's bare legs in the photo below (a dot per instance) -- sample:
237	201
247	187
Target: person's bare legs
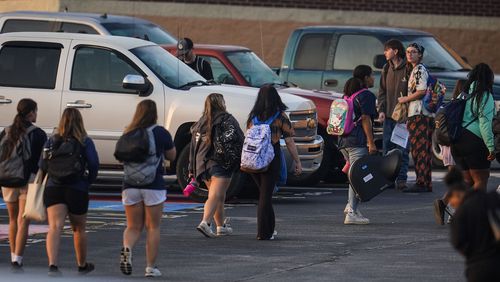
56	215
22	229
480	178
78	225
152	222
468	178
13	210
215	202
135	224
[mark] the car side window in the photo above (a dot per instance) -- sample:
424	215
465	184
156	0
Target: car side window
100	70
312	51
16	25
77	28
220	72
354	50
29	67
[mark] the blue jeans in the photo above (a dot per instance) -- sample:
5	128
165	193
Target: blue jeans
389	125
352	154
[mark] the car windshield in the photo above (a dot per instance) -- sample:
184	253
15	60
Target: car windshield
168	68
252	68
146	31
438	57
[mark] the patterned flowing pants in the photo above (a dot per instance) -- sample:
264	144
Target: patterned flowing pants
420	128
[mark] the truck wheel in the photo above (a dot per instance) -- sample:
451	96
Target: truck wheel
201	194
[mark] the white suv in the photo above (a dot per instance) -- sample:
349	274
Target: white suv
106	76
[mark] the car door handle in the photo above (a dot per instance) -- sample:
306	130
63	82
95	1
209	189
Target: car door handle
4	100
79	105
331	82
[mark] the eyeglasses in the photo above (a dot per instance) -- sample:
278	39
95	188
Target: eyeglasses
411	52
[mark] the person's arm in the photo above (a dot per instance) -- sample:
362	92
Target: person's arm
42	163
421	77
382	95
38	139
288	133
92	160
168	144
485	124
207	70
290	145
366	123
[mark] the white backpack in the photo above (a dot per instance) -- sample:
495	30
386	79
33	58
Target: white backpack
258	151
144	173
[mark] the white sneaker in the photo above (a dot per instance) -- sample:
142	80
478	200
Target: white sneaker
354	218
152	272
224	230
206	230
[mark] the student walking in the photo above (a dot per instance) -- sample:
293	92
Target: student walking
472	228
474	151
420	121
215	155
269	109
144	190
71	162
359	142
393	84
22	134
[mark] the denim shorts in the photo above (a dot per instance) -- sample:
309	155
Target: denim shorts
216	171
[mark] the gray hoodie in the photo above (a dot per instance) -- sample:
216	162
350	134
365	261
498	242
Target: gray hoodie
393	84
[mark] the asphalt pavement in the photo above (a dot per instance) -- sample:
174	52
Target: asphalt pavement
402	243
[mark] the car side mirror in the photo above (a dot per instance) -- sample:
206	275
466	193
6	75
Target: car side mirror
138	83
379	61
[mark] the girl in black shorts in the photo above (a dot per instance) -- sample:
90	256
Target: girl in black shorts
69	196
212	164
474	151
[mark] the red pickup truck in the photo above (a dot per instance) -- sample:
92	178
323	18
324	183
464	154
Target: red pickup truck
240	66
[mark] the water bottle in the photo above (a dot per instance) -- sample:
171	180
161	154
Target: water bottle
191	187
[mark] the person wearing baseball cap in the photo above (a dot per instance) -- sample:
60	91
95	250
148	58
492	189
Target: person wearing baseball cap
185	53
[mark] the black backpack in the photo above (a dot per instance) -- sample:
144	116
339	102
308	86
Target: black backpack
448	121
65	161
228	143
133	146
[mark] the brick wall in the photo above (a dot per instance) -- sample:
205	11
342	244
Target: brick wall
482	8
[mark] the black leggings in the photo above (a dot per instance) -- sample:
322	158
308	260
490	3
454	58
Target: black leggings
266	181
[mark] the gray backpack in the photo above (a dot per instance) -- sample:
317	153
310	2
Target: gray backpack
13	170
143	173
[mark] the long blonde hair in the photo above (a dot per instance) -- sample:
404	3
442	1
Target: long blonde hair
214	104
71	125
145	115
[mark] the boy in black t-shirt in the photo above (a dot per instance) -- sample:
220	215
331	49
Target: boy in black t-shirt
198	64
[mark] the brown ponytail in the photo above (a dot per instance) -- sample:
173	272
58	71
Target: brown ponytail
18	127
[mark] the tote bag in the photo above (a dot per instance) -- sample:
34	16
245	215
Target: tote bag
35	209
400	114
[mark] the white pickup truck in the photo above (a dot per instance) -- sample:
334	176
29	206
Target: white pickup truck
106	76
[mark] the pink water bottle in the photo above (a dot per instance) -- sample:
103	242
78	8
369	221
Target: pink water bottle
191	187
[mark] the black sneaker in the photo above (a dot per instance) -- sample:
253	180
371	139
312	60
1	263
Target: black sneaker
126	261
89	267
439	210
54	271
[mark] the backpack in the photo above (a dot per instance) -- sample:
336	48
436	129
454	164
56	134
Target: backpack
341	121
142	173
448	121
65	161
14	171
133	146
434	95
228	143
258	151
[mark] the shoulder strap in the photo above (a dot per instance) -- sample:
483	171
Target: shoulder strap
199	64
385	70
